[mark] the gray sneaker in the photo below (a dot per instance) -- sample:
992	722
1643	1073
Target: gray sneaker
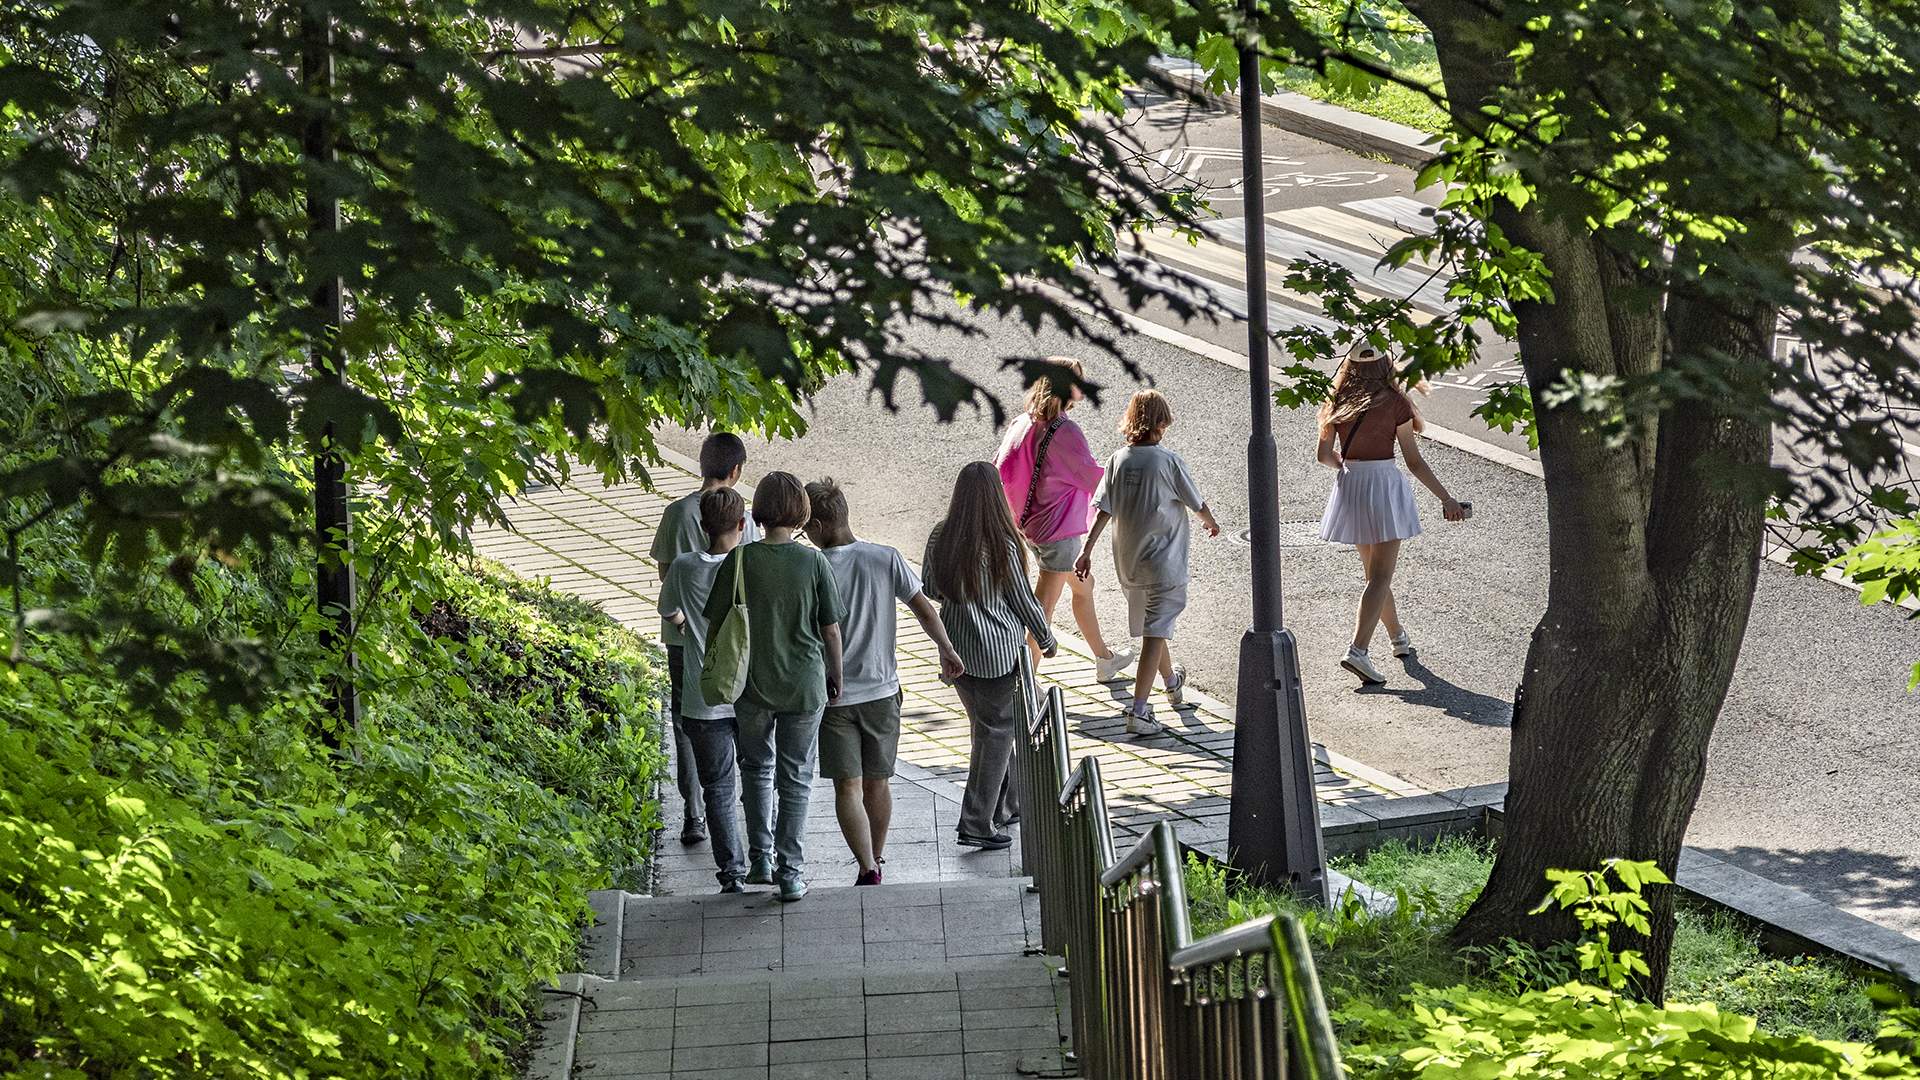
761	872
792	889
1143	723
1177	686
1360	664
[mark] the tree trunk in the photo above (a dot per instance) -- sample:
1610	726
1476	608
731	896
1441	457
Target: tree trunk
1653	559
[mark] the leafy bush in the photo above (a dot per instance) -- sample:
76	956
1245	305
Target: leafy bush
221	896
1406	1003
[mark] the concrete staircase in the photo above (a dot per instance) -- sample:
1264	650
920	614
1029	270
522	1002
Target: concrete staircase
925	981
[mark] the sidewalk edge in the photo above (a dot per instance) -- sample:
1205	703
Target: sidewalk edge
1320	120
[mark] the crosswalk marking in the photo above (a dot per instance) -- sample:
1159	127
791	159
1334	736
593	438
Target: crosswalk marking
1218	263
1367	236
1281	316
1397	210
1288	246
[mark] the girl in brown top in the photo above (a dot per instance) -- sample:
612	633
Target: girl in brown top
1371	506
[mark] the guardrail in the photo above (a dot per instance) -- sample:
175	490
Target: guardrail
1148	1001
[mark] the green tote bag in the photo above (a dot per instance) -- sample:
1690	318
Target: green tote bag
723	670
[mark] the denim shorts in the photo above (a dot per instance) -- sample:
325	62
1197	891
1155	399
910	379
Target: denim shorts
1058	556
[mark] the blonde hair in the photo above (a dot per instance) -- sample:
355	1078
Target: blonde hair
1045	401
1147	413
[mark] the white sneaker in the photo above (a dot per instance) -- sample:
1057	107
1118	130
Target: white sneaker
1177	686
1358	663
1109	668
1139	723
1402	643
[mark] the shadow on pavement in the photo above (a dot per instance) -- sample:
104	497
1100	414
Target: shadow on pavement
1858	879
1456	701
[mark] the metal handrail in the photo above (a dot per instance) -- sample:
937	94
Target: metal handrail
1148	1000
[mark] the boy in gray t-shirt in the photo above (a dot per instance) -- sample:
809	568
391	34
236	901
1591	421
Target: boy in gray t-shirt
860	732
722	456
1146	494
709	731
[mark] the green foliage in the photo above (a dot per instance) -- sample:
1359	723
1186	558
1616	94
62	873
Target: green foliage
725	204
224	897
1887	568
1397	985
1599	907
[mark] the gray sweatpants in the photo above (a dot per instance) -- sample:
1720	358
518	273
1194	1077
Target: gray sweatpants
993	707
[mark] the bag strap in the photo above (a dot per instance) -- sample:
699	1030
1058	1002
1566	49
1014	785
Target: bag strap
1039	460
740	578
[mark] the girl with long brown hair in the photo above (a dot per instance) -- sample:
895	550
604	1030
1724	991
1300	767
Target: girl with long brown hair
1371	507
1049	474
976	568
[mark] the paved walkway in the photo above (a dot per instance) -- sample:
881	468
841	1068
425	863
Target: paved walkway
592	540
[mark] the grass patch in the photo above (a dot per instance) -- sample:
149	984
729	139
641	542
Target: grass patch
1375	961
1389	102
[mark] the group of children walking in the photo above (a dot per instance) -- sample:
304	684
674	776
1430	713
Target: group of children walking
822	685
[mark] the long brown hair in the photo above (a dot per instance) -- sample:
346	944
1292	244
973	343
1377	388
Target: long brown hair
1147	414
968	559
1051	395
1365	379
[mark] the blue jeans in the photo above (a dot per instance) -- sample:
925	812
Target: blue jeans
778	752
713	752
685	776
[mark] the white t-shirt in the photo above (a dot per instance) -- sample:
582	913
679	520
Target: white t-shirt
678	533
872	578
689	580
1149	492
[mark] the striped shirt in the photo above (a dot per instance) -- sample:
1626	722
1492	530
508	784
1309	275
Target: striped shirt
989	633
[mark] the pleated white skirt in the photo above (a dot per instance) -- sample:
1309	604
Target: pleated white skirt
1371	503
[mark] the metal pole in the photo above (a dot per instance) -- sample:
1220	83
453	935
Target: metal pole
333	517
1273	834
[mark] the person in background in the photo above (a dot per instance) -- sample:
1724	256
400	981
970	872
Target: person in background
1147	494
976	569
1049	475
722	456
710	727
860	733
1371	505
793	672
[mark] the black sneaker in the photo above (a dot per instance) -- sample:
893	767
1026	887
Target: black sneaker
693	832
996	842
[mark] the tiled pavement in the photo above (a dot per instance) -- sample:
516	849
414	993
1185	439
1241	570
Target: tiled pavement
930	976
592	540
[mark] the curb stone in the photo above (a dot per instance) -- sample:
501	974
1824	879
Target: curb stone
558	1028
1313	118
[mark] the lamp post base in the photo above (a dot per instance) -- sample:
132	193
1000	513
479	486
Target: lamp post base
1273	835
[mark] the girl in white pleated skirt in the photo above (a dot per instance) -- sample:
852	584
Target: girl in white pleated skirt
1363	420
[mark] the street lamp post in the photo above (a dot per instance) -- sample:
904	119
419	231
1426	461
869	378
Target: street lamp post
1274	832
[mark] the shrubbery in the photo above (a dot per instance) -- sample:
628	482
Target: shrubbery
219	895
1407	1005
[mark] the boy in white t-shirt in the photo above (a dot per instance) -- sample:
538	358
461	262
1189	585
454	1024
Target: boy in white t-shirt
710	729
1146	494
860	733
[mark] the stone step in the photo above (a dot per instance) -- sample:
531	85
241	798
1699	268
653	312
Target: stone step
835	929
600	946
996	1017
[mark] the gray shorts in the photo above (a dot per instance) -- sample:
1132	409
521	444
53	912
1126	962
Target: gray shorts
860	741
1152	609
1058	556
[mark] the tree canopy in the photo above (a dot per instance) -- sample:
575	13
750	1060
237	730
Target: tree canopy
561	224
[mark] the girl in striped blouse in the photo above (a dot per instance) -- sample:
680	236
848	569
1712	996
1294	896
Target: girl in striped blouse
976	568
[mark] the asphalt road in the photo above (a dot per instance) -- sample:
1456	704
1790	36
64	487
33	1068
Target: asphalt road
1814	772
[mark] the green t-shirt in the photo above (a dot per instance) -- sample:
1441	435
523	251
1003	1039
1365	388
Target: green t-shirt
790	595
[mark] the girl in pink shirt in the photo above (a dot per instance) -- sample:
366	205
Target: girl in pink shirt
1049	474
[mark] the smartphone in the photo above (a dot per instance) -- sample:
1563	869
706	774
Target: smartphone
1466	509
